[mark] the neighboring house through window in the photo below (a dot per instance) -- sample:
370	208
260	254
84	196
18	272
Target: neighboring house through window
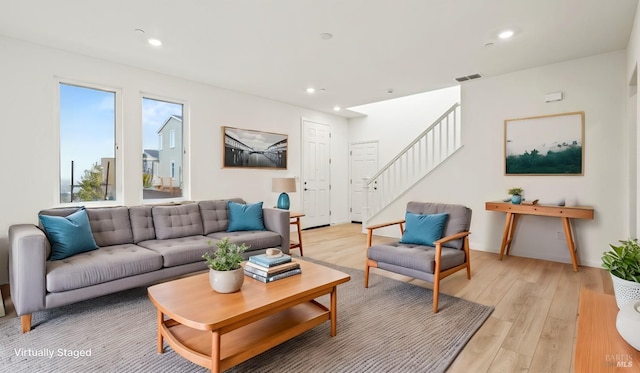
162	120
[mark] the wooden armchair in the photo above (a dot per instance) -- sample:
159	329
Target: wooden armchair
421	253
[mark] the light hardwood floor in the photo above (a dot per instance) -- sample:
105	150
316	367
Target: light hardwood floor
533	326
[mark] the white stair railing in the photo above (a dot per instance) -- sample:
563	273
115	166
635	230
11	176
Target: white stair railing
438	142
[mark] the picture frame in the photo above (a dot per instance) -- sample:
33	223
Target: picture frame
243	148
551	145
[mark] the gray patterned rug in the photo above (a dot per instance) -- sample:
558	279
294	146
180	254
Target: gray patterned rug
386	328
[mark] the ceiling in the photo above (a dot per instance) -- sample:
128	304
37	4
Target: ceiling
274	48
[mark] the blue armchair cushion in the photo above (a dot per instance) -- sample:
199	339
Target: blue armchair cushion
245	217
423	229
68	235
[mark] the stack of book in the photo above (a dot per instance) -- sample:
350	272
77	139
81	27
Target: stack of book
266	268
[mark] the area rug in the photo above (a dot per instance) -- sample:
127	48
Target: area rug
388	327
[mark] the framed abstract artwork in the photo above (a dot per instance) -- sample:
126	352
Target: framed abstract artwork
545	145
253	149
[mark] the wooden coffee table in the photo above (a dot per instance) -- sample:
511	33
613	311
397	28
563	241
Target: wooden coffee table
218	331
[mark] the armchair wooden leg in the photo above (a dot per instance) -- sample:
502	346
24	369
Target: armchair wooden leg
366	275
25	320
436	292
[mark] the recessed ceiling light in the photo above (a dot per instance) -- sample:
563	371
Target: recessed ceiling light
336	108
311	90
390	90
139	31
326	35
154	42
506	34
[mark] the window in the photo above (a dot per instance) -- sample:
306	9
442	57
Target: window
87	144
162	173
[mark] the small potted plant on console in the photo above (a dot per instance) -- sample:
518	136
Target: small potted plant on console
225	272
516	195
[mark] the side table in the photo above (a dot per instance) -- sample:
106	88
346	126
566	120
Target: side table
599	347
295	220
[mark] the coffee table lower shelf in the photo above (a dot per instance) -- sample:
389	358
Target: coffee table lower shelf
242	343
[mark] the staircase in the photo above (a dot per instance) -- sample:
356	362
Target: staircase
432	147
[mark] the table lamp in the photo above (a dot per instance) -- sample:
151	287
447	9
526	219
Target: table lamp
283	185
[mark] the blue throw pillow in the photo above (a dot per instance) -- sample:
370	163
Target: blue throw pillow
245	217
68	235
423	229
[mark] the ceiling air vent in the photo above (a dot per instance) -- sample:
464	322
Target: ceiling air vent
469	77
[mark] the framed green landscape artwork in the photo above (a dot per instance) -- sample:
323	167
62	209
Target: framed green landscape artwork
545	145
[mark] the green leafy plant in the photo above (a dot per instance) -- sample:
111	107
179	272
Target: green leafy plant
623	261
516	191
227	256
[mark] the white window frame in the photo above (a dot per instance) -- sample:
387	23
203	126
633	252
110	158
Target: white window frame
185	167
118	138
173	169
172	137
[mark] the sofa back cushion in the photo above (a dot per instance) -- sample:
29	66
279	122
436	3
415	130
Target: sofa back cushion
215	214
110	225
177	221
142	223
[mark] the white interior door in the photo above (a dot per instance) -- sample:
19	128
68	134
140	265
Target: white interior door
364	163
316	139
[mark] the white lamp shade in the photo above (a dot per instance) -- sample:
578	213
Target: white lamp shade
283	184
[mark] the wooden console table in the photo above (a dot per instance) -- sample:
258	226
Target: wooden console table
599	347
565	213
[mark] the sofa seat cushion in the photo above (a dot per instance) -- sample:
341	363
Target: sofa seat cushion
98	266
256	240
183	250
417	257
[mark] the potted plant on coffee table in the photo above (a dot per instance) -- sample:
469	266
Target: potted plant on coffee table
623	263
225	272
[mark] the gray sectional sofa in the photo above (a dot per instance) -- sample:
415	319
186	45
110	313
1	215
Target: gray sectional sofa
138	246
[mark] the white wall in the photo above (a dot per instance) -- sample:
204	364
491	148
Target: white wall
395	123
474	175
29	129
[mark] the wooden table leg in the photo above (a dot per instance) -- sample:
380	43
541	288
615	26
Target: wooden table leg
215	351
572	247
512	230
299	235
505	234
334	311
160	321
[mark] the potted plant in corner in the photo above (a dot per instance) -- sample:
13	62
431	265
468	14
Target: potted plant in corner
623	263
516	195
225	272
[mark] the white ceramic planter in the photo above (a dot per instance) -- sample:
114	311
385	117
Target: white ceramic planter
625	291
628	323
226	281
